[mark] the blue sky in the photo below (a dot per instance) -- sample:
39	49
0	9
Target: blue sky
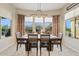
68	23
6	22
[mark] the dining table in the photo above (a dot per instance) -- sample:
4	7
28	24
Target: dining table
52	37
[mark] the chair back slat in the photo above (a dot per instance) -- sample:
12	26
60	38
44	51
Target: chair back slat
32	37
44	37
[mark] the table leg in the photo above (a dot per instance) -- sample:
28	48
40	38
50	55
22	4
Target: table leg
27	46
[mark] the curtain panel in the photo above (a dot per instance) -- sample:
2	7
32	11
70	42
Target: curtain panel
55	25
20	23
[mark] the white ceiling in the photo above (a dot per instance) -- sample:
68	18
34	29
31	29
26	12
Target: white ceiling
39	6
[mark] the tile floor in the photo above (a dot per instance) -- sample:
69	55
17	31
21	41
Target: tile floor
11	51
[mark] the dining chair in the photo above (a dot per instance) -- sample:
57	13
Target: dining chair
33	42
20	40
57	41
44	42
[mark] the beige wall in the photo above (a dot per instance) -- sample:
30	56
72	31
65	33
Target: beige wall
9	12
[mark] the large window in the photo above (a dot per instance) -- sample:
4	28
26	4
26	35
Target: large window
28	24
72	27
48	24
38	24
72	23
77	27
5	27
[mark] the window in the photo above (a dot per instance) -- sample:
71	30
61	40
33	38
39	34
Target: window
72	27
68	27
38	24
48	24
73	17
28	24
5	27
77	27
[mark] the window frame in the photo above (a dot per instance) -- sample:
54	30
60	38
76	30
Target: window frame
43	20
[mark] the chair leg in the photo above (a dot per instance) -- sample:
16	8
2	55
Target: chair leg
61	47
25	48
49	53
37	52
40	51
28	50
51	47
17	47
28	53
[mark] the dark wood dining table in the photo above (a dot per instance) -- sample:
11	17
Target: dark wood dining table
26	37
